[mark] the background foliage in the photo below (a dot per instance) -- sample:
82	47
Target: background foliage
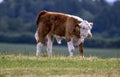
18	17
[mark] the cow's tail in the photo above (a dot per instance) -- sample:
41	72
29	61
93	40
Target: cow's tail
39	15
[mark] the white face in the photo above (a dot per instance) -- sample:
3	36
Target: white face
85	29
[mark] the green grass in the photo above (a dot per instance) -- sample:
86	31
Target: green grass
58	66
29	50
18	60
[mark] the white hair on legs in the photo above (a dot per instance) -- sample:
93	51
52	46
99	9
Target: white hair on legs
49	46
70	48
36	36
38	48
39	44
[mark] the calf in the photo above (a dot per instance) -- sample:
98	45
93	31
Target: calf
60	25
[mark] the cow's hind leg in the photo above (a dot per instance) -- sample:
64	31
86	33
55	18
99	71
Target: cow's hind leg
39	40
38	48
49	44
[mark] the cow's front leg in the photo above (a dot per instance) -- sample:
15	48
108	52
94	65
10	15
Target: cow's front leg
49	45
81	50
70	48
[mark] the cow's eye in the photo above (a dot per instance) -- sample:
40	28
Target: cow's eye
83	27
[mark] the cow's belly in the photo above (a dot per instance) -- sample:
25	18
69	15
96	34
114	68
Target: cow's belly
59	38
76	41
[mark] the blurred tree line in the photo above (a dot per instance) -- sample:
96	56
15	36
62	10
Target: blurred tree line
18	19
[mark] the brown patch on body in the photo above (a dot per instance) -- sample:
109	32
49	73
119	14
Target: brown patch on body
52	23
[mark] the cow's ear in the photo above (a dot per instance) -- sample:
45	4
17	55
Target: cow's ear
91	23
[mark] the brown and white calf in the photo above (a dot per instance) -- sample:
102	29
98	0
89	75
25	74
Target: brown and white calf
60	25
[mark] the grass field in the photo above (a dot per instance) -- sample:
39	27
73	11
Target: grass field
29	50
18	60
58	66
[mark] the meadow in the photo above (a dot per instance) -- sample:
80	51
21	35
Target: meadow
19	60
29	50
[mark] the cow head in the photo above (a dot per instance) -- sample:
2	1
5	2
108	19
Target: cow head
85	29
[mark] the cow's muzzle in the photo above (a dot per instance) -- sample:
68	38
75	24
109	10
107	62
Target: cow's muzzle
89	36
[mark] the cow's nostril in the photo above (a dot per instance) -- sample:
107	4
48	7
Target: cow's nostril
89	36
